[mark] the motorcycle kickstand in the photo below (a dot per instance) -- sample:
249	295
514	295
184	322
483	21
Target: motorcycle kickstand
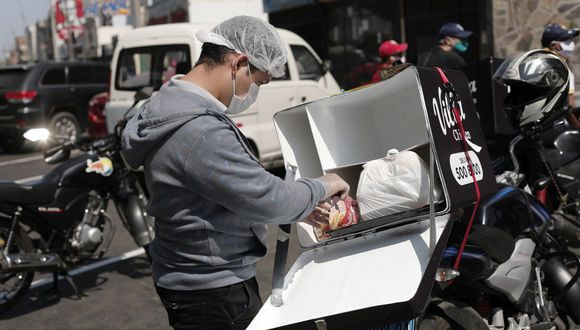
68	278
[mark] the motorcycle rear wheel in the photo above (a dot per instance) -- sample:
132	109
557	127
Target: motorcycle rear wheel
13	286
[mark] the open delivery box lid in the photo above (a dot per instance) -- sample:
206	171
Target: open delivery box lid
380	271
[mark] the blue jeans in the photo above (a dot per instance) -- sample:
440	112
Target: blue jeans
230	307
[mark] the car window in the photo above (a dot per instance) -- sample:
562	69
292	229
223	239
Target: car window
307	65
54	76
134	71
174	62
87	75
10	78
103	74
150	66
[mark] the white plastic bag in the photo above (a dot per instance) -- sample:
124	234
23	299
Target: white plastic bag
399	182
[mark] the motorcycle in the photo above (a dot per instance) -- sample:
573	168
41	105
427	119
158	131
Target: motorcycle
514	272
551	172
61	220
511	269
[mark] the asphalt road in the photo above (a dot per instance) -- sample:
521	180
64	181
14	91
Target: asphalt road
116	292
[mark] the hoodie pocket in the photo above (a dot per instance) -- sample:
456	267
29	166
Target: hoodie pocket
260	235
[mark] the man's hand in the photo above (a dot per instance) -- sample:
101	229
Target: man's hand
319	217
335	186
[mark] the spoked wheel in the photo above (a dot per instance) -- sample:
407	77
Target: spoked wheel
13	286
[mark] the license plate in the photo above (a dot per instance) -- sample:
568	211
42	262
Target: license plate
405	325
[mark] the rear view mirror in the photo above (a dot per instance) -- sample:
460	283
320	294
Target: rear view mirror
56	155
326	66
143	93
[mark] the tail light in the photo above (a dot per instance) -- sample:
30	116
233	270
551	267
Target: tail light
97	120
20	96
541	195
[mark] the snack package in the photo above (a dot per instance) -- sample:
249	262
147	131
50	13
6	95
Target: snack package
399	182
343	213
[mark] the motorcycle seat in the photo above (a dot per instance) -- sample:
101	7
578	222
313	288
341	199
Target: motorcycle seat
36	192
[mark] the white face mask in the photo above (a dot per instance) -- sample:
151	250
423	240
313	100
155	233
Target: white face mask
239	104
567	47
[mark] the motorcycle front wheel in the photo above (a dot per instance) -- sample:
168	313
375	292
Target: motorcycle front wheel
13	286
437	322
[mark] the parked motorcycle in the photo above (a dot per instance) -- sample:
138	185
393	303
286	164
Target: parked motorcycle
513	273
548	166
546	152
62	220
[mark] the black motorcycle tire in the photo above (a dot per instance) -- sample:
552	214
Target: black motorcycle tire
23	244
13	145
437	322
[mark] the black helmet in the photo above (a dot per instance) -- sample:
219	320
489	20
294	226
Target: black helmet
538	84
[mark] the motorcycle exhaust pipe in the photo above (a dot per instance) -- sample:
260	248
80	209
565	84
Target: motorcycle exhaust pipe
25	262
557	277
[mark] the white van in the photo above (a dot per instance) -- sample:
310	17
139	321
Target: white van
149	56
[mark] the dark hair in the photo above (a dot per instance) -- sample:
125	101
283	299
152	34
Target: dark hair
213	55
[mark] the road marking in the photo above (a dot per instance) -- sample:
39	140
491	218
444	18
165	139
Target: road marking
21	160
30	179
87	268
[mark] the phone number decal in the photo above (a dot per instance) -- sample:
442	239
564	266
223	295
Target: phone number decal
460	168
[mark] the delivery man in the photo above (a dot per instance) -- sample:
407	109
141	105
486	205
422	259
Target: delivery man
210	196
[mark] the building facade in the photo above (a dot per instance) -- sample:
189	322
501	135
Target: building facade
518	25
349	31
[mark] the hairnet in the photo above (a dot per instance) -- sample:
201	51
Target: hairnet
253	37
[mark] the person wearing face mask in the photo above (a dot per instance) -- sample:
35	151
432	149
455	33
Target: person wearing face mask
209	194
391	53
560	40
452	43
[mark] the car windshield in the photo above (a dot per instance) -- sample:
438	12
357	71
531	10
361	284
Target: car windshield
12	78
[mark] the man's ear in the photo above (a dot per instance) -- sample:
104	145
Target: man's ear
240	61
555	45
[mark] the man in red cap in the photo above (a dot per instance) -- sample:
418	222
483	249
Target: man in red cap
452	42
391	53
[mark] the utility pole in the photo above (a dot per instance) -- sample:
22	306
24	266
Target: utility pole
69	29
136	12
54	34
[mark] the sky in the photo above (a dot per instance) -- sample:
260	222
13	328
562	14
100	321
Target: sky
12	15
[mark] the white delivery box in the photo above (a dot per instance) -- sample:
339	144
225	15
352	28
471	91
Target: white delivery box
377	273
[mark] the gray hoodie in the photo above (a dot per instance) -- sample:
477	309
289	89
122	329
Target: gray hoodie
210	196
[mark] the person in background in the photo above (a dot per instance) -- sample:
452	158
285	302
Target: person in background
560	41
452	42
210	196
391	53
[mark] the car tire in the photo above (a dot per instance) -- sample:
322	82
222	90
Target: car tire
64	126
